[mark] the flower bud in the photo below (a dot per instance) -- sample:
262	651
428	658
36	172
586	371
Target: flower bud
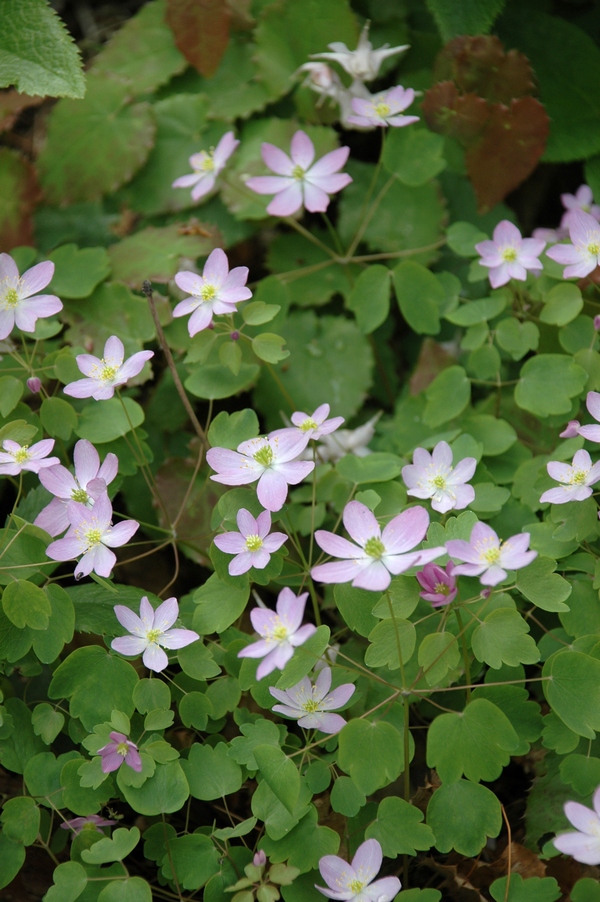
34	384
597	322
439	584
234	336
260	859
571	429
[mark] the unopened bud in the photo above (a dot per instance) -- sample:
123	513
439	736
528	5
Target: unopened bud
234	336
485	593
597	323
34	384
260	859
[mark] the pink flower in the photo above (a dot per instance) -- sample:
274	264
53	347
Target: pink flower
216	291
583	200
577	479
439	584
120	750
309	703
348	441
583	844
150	631
570	430
89	482
17	458
270	460
509	256
19	302
354	882
299	182
312	425
583	254
432	476
280	630
103	376
207	165
550	236
362	63
486	556
592	432
377	554
92	822
383	109
90	533
252	545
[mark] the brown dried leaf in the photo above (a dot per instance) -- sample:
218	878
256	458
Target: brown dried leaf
511	145
480	65
12	104
433	358
19	193
522	861
201	30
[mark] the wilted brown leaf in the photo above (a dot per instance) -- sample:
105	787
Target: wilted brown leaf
19	193
12	103
201	31
433	358
480	65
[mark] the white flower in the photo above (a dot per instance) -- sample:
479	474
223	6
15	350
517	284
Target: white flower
362	63
576	478
432	476
151	630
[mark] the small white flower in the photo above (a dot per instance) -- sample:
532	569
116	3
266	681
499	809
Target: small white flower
150	631
432	476
576	478
362	63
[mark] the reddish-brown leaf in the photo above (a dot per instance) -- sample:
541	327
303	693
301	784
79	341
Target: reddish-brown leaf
460	116
19	193
201	30
12	103
508	151
433	358
481	65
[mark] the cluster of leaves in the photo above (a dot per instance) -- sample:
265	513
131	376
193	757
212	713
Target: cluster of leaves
390	311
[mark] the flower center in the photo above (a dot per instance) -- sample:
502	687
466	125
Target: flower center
374	547
93	536
11	298
594	248
207	164
509	254
253	543
80	495
152	635
208	292
122	749
298	173
22	454
308	424
491	555
278	632
442	589
310	705
381	109
264	456
439	481
578	477
89	825
355	886
108	372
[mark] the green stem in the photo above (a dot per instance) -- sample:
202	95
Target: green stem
309	236
465	654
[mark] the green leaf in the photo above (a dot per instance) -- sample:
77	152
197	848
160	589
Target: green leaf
269	347
573	690
197	661
355	606
503	638
287	34
438	653
476	742
420	296
154	254
106	421
277	819
468	17
415	155
398	828
115	848
540	584
462	238
70	880
26	605
58	418
142	52
384	640
561	304
211	774
496	435
230	355
193	858
533	889
96	683
213	380
96	144
257	313
304	845
371	753
151	694
12	856
547	384
47	722
218	605
474	312
21	820
581	772
42	777
83	800
419	895
159	719
346	798
523	714
78	271
280	773
263	732
566	62
370	298
462	815
37	54
517	338
489	498
376	467
131	889
166	791
195	709
228	430
447	396
318	372
11	390
586	890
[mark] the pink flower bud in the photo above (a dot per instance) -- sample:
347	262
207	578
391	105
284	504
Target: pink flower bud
439	584
234	336
571	430
485	593
597	322
260	859
34	384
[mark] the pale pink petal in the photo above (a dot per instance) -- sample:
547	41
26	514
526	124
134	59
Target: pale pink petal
302	150
375	577
337	545
134	365
360	522
301	635
88	364
243	562
130	620
272	490
269	184
186	181
129	645
36	278
64	549
276	660
274	541
339	571
81	388
8	271
200	319
109	468
178	638
59	481
382	890
276	159
87	462
336	873
216	267
230	542
7	320
120	533
327	165
339	696
315	199
442	455
367	860
155	659
166	614
205	184
53	518
291	607
583	848
248	525
406	530
323	683
287	201
224	149
114	351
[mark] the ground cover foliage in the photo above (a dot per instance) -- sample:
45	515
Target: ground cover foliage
463	720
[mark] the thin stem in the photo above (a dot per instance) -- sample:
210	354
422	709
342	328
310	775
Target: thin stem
367	219
309	236
465	654
147	290
332	233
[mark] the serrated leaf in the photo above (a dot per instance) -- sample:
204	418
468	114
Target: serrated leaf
532	889
70	880
415	155
77	270
468	17
269	347
201	31
37	54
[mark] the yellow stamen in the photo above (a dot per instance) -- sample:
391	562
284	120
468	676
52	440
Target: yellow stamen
374	547
253	543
